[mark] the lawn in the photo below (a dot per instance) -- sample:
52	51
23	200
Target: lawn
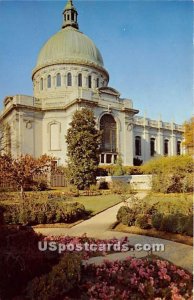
96	204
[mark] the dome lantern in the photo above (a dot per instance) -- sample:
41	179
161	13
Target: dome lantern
70	15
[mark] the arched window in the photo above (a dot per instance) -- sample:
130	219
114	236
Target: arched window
49	81
178	148
138	145
79	79
97	82
41	84
89	81
152	146
165	147
58	79
108	127
69	79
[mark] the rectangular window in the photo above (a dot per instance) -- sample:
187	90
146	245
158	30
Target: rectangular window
138	145
178	150
152	146
109	158
165	147
89	81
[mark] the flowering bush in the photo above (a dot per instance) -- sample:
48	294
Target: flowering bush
135	279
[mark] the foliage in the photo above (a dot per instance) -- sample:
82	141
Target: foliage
189	136
102	184
142	221
123	211
72	190
134	279
171	174
21	170
32	213
165	203
120	187
175	223
126	216
109	170
157	220
83	140
128	219
39	185
118	168
63	277
20	259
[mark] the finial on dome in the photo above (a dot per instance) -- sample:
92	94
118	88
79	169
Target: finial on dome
70	15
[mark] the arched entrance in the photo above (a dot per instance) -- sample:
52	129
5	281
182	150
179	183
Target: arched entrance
109	139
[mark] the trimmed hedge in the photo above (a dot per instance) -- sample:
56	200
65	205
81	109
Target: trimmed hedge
142	221
175	223
32	213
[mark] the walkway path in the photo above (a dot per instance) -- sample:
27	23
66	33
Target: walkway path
99	226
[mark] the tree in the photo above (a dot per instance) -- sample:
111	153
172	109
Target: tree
83	141
21	170
189	136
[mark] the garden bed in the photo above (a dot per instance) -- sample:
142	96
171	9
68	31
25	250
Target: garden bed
167	216
179	238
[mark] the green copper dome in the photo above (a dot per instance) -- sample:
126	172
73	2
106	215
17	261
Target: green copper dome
69	45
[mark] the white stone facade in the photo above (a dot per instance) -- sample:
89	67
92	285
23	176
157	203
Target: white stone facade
39	124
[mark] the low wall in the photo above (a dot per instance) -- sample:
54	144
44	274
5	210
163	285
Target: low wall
138	182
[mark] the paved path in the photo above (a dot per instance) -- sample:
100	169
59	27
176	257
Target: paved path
99	226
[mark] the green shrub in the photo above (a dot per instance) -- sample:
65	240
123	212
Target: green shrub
72	190
142	221
171	174
120	187
122	212
126	216
175	223
31	213
188	226
128	219
57	196
156	220
39	185
103	185
63	277
170	223
109	170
